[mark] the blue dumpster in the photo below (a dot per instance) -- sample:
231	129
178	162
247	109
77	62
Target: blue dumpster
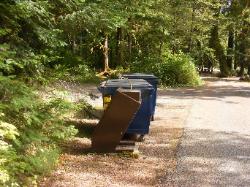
141	122
153	80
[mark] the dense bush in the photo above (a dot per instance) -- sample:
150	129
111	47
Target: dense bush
30	131
171	69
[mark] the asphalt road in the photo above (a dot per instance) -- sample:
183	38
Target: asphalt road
215	147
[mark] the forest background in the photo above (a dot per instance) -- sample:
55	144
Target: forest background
42	41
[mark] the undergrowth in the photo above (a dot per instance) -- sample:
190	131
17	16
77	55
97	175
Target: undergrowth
80	73
30	133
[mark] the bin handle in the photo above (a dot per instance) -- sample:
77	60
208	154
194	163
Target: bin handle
131	84
104	83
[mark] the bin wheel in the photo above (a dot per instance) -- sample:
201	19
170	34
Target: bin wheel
141	138
152	118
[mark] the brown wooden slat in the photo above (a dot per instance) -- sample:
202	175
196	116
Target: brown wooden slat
127	142
127	148
114	122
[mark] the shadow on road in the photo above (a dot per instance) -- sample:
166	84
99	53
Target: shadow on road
219	88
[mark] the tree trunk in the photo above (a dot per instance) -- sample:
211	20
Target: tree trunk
236	48
242	48
190	43
244	43
106	54
230	48
215	44
160	48
129	47
241	73
242	56
80	45
74	44
119	59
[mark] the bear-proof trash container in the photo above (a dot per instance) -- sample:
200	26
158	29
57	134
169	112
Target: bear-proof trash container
153	80
140	123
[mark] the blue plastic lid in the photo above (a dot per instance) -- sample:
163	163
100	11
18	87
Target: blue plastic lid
140	76
149	77
126	83
110	86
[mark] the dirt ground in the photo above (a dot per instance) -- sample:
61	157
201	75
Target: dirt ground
157	153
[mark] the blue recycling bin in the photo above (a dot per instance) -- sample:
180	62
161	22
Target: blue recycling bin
153	80
140	123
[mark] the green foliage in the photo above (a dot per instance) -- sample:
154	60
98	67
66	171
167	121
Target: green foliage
205	57
38	35
43	160
29	39
30	131
8	132
50	40
178	69
78	73
171	69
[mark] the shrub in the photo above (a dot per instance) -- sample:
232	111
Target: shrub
30	132
80	73
171	69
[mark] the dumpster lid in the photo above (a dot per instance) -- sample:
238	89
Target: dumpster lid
140	76
127	83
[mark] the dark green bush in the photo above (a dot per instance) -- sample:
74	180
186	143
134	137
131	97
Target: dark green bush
30	132
171	69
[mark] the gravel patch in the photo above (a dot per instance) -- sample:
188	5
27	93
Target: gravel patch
73	92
